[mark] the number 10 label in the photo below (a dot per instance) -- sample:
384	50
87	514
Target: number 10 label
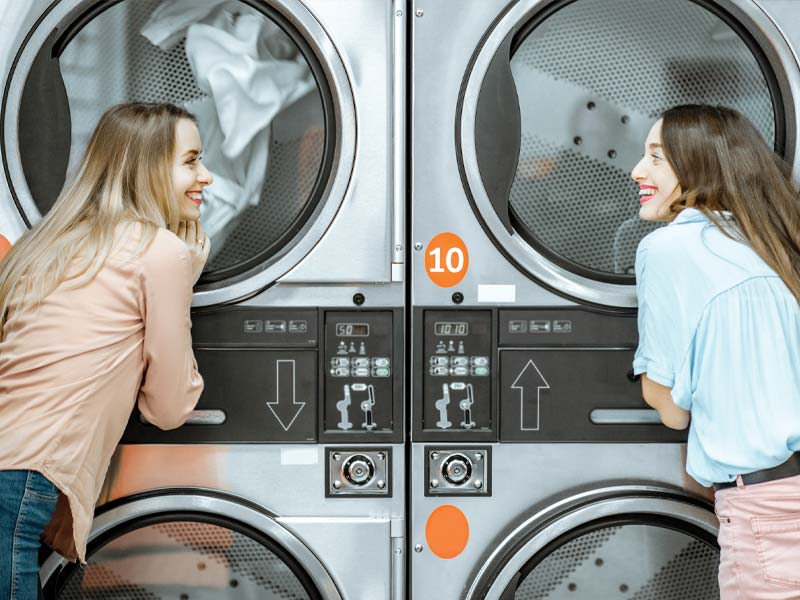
446	259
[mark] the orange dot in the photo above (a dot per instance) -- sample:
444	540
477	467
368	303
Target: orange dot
447	531
446	259
5	246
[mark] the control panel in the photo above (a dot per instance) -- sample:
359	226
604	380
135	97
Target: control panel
457	368
359	367
275	375
547	374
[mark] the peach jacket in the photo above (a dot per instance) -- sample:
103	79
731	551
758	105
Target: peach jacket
72	368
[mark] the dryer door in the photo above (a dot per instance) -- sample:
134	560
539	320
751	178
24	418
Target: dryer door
558	102
622	543
269	90
189	544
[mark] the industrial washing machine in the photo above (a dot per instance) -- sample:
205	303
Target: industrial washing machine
536	469
288	481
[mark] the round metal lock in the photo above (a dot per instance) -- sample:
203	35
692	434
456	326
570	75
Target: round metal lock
457	469
358	469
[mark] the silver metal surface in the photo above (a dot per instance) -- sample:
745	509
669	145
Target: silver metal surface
399	138
531	482
136	510
438	75
621	416
333	529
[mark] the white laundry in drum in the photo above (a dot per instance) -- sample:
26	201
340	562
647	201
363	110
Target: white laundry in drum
249	71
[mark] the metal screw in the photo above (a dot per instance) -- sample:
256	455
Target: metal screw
337	484
337	456
625	119
478	456
381	484
418	246
398	248
358	299
577	140
398	551
398	13
612	153
590	105
458	298
418	548
381	455
434	483
478	484
434	455
419	12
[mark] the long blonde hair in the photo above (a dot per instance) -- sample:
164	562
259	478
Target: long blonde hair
125	177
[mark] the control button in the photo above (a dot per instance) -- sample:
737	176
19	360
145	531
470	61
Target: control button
381	372
253	326
439	371
340	361
438	361
479	371
517	327
380	362
274	326
459	371
360	362
459	361
298	326
479	361
340	372
539	326
562	326
361	372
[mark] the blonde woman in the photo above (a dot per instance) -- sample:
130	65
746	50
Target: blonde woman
94	315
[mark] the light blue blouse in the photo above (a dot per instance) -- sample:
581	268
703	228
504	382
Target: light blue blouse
718	326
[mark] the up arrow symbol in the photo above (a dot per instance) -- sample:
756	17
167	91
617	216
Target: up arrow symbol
528	378
285	408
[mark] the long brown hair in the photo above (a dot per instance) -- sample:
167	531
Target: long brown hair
125	177
722	163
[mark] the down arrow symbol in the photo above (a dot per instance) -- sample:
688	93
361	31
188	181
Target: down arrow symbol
285	408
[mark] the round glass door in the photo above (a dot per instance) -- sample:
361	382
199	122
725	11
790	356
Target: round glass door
631	560
556	109
185	559
189	546
252	77
634	543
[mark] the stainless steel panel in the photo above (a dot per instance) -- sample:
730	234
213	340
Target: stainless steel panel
528	479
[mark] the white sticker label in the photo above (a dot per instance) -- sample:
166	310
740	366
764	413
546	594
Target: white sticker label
299	456
497	293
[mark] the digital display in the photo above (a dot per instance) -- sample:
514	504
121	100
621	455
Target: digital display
455	328
352	330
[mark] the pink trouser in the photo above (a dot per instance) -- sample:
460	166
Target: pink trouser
759	537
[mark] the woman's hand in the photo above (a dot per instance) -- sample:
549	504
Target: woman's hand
191	232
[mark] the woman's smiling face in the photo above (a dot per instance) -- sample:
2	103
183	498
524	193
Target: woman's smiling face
189	176
658	184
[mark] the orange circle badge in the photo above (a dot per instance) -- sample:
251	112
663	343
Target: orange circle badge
446	259
5	246
447	531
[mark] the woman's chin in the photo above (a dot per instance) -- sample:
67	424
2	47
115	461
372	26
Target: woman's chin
190	214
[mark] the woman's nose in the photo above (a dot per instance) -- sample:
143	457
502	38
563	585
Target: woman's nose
636	173
204	175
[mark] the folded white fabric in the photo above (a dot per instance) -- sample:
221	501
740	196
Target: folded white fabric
250	71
